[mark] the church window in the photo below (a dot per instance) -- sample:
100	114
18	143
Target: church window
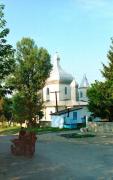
65	90
81	94
47	91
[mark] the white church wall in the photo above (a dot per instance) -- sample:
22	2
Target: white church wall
47	111
83	94
44	93
73	90
52	88
45	96
65	92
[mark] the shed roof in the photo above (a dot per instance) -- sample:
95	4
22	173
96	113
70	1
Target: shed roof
66	110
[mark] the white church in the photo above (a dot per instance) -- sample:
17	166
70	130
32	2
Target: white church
62	91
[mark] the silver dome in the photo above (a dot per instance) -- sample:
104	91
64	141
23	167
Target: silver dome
58	74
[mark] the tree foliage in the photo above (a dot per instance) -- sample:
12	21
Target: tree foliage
7	108
6	53
100	94
101	100
19	108
1	106
26	109
107	71
32	69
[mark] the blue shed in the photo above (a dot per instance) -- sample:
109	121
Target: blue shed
70	117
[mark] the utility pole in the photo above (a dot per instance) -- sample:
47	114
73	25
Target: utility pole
56	101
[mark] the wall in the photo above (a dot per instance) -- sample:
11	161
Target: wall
68	118
57	121
62	95
73	91
51	96
84	92
101	127
47	111
83	112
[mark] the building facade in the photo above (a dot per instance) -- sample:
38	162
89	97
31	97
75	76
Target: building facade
62	91
71	117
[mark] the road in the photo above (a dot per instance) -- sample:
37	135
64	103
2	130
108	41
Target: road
59	158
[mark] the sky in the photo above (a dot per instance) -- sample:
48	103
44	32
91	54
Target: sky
79	30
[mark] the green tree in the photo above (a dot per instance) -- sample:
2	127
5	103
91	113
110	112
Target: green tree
19	108
100	100
7	61
33	67
7	108
100	94
107	71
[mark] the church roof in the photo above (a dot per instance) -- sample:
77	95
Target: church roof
84	82
57	73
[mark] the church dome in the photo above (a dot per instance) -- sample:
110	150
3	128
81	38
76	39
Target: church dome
58	74
84	83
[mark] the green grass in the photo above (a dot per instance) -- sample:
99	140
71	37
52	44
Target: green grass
75	135
9	130
14	130
47	129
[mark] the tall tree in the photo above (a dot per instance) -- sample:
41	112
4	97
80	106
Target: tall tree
107	71
100	94
100	100
6	53
32	69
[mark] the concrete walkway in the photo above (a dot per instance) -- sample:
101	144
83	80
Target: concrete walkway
59	158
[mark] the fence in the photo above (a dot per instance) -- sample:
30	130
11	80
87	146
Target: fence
100	127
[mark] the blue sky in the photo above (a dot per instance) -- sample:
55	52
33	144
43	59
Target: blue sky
79	30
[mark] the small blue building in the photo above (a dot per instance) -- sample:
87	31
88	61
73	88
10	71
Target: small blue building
70	117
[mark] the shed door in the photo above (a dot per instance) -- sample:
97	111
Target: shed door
75	116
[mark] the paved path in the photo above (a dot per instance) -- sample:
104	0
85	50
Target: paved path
58	158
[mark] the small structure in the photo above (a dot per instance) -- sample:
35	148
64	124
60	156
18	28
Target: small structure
70	117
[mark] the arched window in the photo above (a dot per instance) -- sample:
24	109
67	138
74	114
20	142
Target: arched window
47	91
65	90
81	94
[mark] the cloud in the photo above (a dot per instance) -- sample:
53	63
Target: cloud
91	4
101	8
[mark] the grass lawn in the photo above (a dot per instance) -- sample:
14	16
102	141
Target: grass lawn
14	130
47	129
9	130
